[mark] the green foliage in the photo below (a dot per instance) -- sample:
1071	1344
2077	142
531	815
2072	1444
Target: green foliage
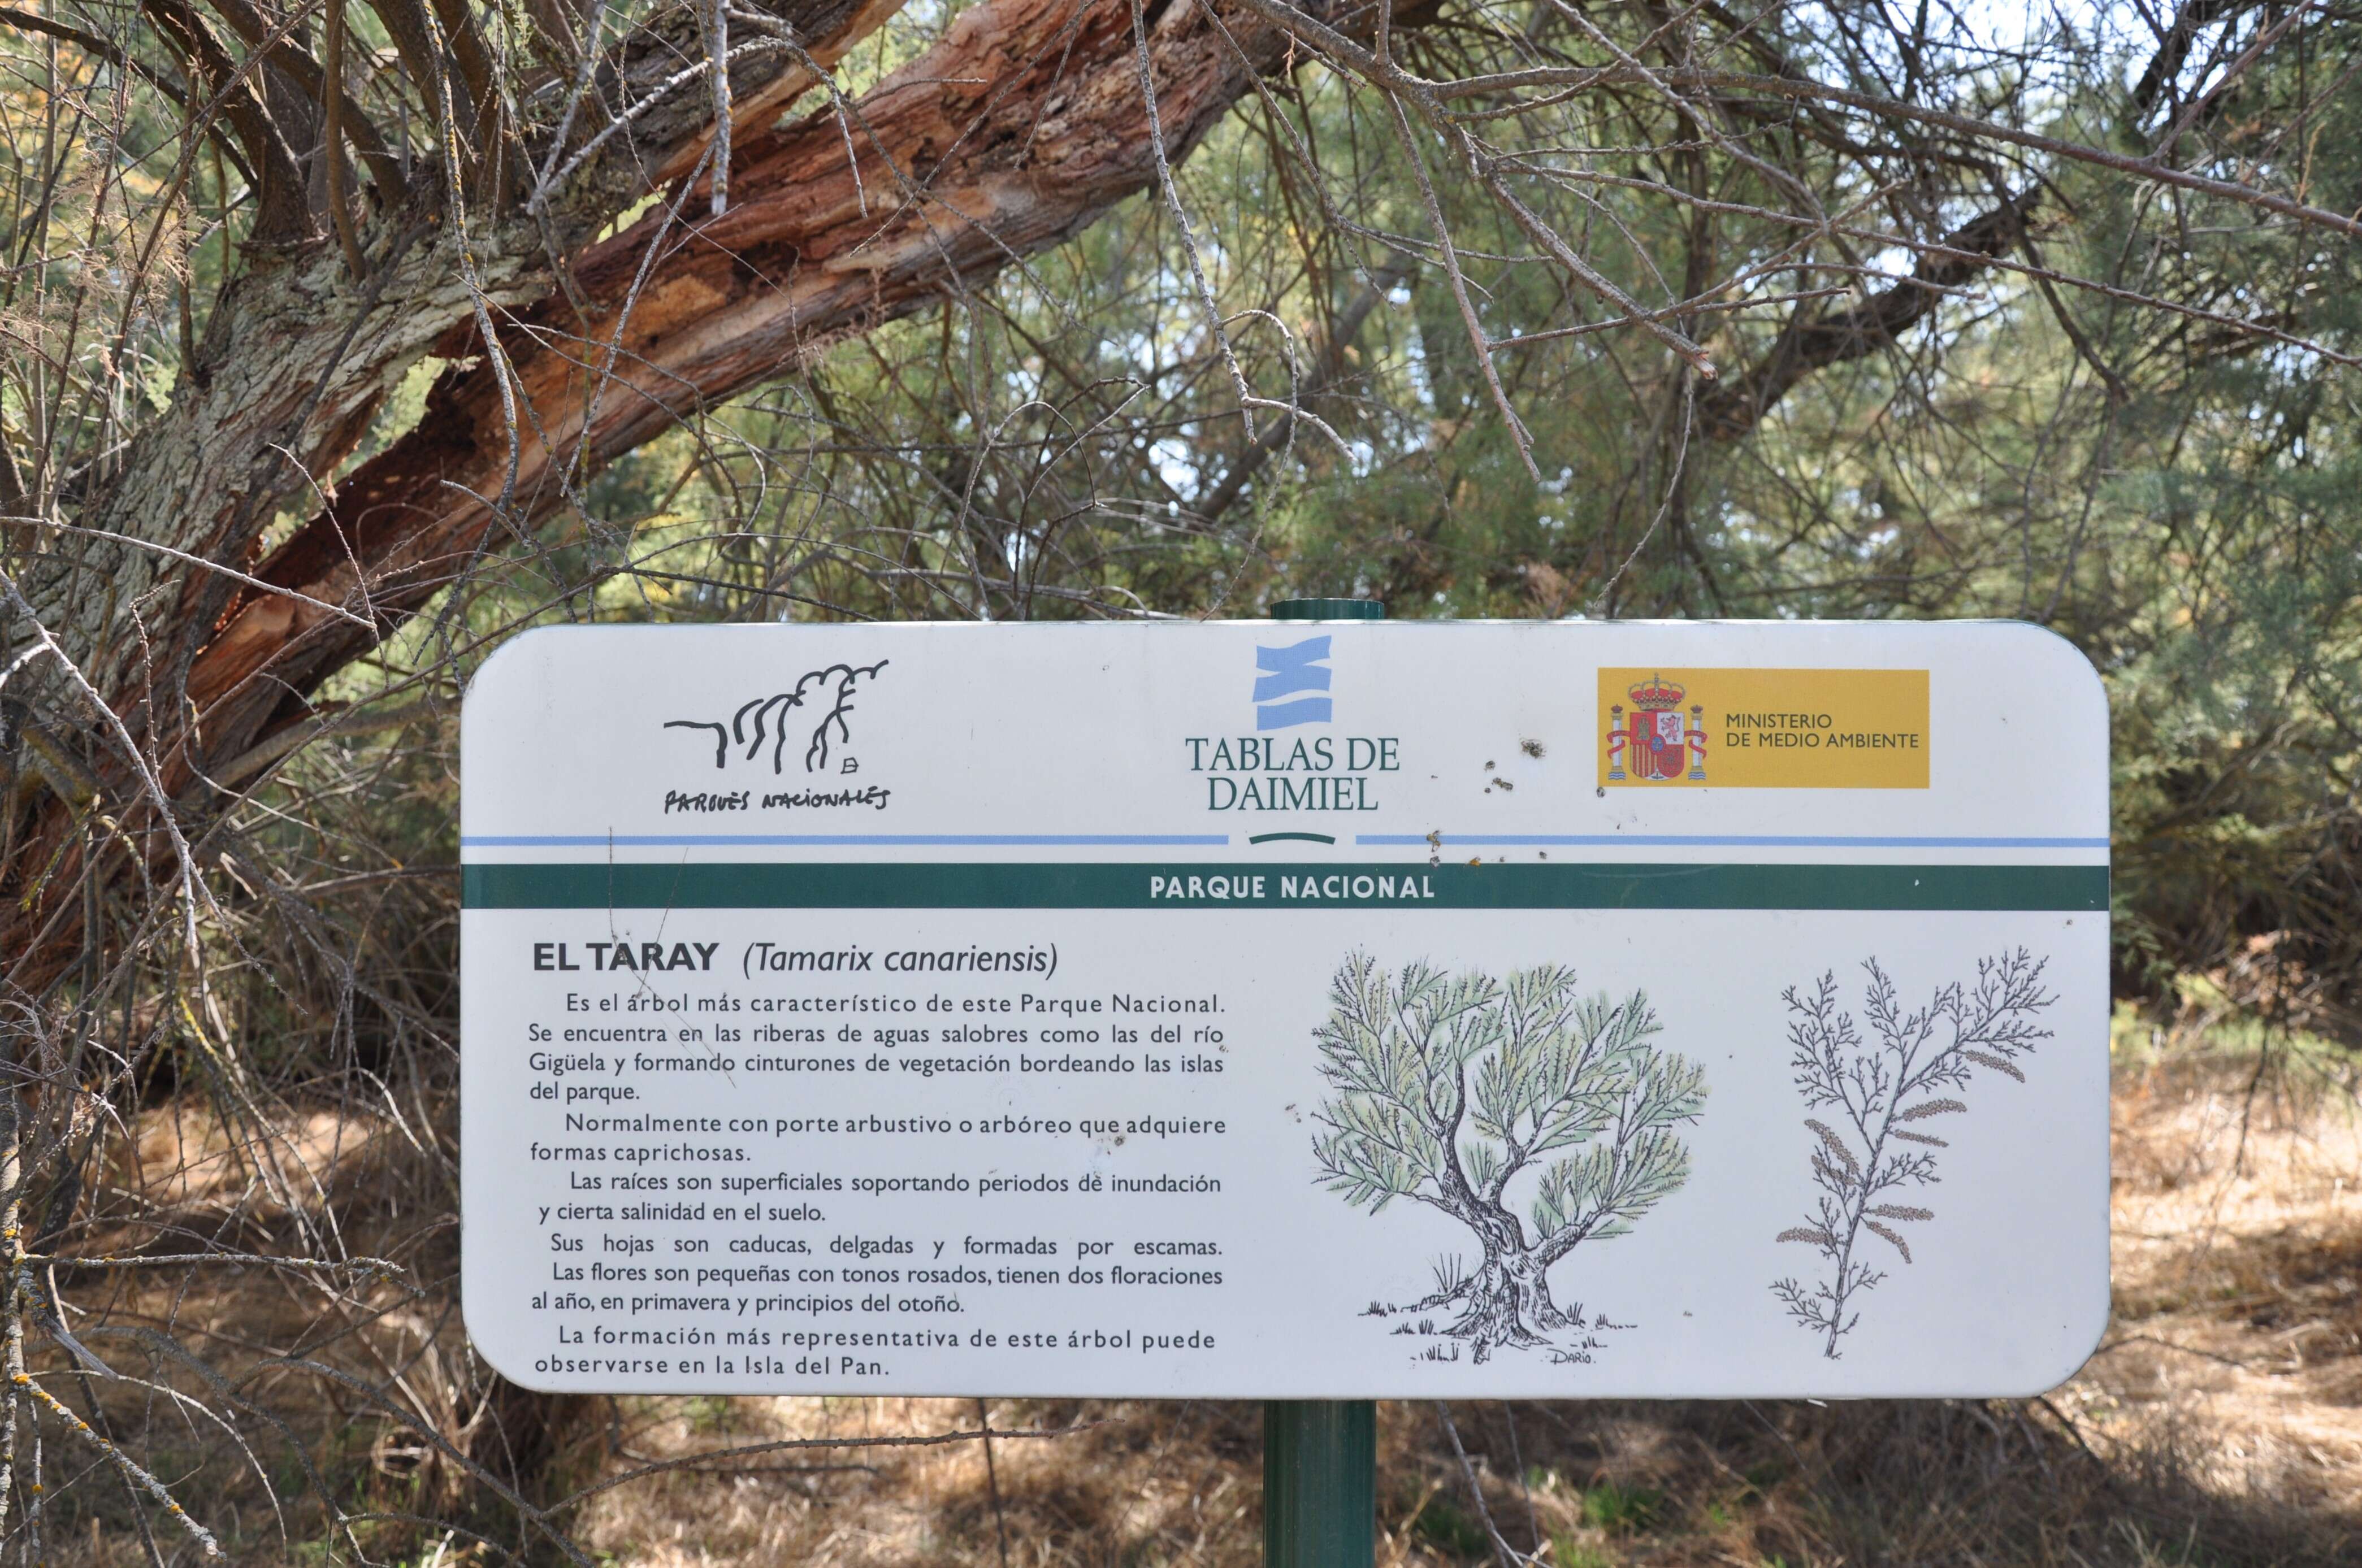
2168	491
1619	1510
1568	1551
1449	1530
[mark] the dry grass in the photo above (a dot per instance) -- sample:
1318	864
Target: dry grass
2218	1426
2238	1280
2221	1424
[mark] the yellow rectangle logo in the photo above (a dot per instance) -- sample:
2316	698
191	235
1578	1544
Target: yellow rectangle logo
1763	729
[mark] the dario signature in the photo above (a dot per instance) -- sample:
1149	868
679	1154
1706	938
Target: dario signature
769	720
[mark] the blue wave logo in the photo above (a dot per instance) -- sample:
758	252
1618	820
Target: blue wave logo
1284	672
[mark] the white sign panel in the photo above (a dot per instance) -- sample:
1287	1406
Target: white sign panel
1287	1010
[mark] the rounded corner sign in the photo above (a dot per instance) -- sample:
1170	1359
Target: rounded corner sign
1334	1010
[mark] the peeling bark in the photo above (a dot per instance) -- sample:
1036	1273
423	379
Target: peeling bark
1022	127
297	360
299	356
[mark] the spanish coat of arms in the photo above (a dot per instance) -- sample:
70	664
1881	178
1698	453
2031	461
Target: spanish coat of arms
1657	742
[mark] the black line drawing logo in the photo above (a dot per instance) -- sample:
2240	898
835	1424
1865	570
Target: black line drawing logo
755	723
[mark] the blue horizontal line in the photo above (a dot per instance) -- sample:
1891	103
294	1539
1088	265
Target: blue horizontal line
694	841
1750	840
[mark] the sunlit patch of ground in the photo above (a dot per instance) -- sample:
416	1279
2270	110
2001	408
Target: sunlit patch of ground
2238	1280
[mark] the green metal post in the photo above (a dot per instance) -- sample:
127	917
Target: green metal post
1328	609
1321	1456
1319	1482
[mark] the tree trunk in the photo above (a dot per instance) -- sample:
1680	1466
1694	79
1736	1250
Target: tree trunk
1018	130
1508	1304
1022	128
1507	1301
299	356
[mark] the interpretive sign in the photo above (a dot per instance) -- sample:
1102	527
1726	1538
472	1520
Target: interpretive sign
1306	1010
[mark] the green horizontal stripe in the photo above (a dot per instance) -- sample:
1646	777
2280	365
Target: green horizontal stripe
984	885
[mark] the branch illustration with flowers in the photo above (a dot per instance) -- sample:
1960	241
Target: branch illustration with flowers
1875	1105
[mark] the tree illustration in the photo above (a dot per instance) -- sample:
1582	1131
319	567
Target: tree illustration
1872	1142
1538	1118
